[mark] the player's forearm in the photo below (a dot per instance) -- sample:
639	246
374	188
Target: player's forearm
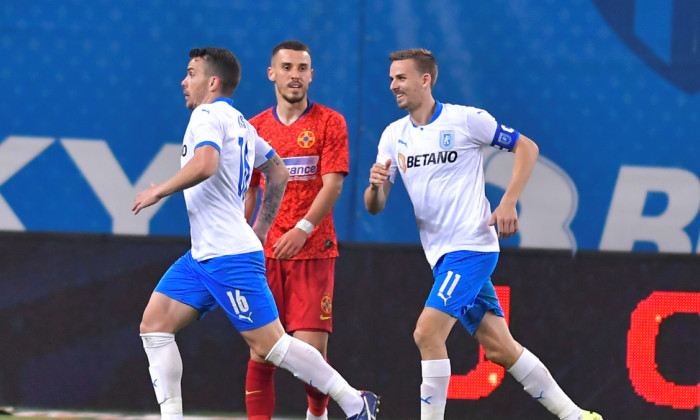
198	169
251	199
326	198
276	177
526	153
375	199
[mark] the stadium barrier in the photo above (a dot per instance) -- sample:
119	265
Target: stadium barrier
619	331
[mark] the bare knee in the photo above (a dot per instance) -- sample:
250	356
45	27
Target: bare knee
432	329
262	340
504	353
499	346
259	344
427	340
151	323
495	354
147	327
164	314
148	323
259	353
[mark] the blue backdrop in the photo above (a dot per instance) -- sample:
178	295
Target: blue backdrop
92	110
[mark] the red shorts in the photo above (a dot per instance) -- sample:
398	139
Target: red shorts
303	291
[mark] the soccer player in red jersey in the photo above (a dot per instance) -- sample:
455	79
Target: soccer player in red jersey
301	246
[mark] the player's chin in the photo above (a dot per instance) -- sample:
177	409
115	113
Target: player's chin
294	98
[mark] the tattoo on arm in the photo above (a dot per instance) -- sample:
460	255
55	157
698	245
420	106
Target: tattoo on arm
275	184
266	167
271	203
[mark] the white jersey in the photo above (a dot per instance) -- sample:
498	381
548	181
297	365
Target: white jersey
441	165
215	207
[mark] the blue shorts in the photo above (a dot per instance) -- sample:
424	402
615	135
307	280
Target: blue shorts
463	287
236	282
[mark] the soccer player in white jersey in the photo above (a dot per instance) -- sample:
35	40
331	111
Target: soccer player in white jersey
437	150
226	265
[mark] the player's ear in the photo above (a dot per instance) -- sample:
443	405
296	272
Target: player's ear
426	79
271	74
214	83
311	73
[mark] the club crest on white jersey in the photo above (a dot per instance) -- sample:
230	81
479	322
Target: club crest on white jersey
447	139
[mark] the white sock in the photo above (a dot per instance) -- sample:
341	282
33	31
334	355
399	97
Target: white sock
165	367
310	416
538	382
433	389
307	364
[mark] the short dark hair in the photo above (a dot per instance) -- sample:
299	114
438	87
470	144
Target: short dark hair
424	59
221	63
291	45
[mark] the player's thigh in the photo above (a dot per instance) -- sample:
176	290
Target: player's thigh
239	286
276	274
459	277
179	298
308	295
486	302
164	314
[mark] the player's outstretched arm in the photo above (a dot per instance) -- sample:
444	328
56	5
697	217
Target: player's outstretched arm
276	177
379	186
203	165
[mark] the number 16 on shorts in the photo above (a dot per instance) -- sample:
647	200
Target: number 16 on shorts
240	305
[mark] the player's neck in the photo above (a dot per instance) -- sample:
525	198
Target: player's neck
211	97
424	113
289	112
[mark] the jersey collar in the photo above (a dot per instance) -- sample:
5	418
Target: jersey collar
438	111
306	111
222	99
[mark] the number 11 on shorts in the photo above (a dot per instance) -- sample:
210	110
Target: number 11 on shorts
445	283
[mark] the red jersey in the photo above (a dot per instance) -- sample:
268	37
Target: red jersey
312	146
